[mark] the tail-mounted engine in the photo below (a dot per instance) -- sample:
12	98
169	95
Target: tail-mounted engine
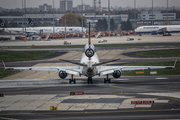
89	50
117	74
62	74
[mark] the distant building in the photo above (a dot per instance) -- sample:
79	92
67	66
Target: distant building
69	5
45	8
117	18
157	15
85	8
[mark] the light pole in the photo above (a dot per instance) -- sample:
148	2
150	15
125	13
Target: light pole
82	15
152	12
167	14
25	18
65	19
53	16
134	16
22	19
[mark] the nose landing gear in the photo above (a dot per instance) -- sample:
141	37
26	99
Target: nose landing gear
89	80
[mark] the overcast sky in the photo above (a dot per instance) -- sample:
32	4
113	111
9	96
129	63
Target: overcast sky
104	3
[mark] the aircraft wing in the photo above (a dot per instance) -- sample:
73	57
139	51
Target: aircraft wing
104	70
75	70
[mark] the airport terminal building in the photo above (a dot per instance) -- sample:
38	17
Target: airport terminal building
157	17
48	18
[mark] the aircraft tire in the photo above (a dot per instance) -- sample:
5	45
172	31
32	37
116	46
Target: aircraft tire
70	81
91	81
104	80
109	80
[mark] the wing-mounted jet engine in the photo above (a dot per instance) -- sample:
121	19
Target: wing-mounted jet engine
31	22
2	23
62	74
117	74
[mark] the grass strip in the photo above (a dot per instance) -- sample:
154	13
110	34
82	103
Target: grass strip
5	73
96	45
160	53
8	56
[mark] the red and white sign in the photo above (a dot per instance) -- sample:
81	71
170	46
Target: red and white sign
78	93
142	102
148	102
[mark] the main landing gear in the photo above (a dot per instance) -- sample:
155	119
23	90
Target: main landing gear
107	79
72	80
89	80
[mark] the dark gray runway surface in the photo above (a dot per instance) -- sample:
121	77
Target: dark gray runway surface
139	87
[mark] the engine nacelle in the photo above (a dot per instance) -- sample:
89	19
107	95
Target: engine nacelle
89	50
62	74
116	74
153	32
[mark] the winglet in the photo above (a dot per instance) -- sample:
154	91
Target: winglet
175	63
4	64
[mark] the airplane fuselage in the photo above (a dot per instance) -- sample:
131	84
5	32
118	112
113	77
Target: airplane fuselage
89	70
45	30
151	29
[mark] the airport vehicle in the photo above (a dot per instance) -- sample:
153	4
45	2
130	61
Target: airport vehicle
101	41
66	43
41	30
166	30
89	66
130	39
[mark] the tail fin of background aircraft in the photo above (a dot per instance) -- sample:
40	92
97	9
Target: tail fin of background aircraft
31	22
2	23
4	64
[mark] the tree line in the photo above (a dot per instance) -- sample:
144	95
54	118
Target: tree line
102	25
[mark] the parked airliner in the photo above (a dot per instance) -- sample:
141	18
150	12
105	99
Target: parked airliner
154	30
89	66
41	30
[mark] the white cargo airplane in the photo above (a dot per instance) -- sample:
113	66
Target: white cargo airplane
166	30
41	30
89	66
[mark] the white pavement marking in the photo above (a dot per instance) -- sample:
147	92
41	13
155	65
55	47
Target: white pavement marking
64	106
126	104
161	78
79	107
143	106
119	79
176	95
95	106
43	102
161	101
112	106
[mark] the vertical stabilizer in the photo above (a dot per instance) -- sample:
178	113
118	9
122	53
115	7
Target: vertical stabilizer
89	35
89	48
